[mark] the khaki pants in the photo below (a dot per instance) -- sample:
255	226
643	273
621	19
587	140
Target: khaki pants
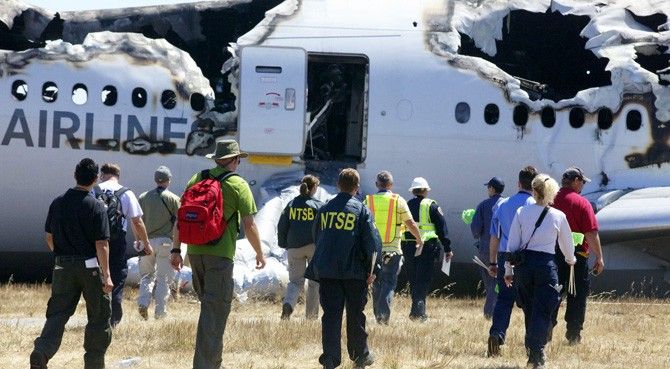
155	269
298	259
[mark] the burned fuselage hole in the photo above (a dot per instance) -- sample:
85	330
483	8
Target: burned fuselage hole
20	90
653	58
545	49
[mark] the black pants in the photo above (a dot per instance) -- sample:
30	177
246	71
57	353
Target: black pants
575	309
118	271
420	273
334	295
71	278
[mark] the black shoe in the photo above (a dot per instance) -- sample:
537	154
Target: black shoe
38	360
493	349
286	311
367	361
574	339
536	359
328	364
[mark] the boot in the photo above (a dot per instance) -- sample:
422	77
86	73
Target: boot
286	311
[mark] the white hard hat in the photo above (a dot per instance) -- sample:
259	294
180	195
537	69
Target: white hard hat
419	182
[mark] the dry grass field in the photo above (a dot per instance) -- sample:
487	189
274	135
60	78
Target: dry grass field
628	333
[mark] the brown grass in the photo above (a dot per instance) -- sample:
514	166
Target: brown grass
619	334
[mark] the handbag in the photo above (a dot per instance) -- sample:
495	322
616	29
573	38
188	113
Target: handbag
517	258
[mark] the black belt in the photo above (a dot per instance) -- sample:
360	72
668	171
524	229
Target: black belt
70	258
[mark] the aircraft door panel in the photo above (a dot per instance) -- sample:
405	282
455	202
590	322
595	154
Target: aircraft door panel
272	100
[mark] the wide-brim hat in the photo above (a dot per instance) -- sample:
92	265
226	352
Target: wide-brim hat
226	149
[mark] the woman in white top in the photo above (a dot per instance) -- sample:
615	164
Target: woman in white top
536	276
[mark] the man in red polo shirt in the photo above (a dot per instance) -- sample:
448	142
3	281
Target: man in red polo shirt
582	219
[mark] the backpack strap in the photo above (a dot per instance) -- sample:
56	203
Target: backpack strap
118	194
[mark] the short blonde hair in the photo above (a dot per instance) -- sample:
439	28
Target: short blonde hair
348	180
545	189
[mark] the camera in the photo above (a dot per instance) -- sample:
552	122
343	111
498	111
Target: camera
515	258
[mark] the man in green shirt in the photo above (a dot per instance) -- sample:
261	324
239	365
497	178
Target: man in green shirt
159	207
212	265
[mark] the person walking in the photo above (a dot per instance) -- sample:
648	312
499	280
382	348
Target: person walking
433	229
294	233
582	219
500	226
160	207
212	262
390	214
480	226
535	230
77	232
122	205
346	260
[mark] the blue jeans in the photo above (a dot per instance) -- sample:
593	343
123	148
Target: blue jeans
489	286
504	302
535	281
382	290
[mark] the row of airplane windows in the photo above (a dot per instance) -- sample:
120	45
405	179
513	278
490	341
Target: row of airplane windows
548	116
108	95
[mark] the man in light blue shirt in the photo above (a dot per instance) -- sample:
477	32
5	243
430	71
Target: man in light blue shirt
500	227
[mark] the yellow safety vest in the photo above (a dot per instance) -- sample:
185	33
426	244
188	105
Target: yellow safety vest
426	227
384	208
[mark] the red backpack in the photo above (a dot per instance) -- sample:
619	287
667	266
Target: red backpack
200	217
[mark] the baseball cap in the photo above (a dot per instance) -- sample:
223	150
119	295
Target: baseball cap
496	183
575	172
162	174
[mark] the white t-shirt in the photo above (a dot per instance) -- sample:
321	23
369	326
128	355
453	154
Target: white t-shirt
129	204
554	226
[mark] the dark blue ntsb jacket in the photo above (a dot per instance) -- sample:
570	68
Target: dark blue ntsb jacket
346	239
296	222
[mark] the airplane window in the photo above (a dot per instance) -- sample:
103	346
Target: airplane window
520	115
79	94
109	95
462	112
197	102
633	120
168	99
576	117
139	97
49	92
491	114
548	117
605	118
20	90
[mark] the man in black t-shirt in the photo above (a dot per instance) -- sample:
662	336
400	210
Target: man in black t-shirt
77	231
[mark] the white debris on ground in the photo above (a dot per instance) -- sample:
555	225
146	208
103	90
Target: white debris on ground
271	281
612	33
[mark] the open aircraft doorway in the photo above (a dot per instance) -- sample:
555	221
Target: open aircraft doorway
337	108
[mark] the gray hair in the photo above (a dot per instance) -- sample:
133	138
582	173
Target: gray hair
384	179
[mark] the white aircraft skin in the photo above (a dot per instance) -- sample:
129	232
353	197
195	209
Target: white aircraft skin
411	129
